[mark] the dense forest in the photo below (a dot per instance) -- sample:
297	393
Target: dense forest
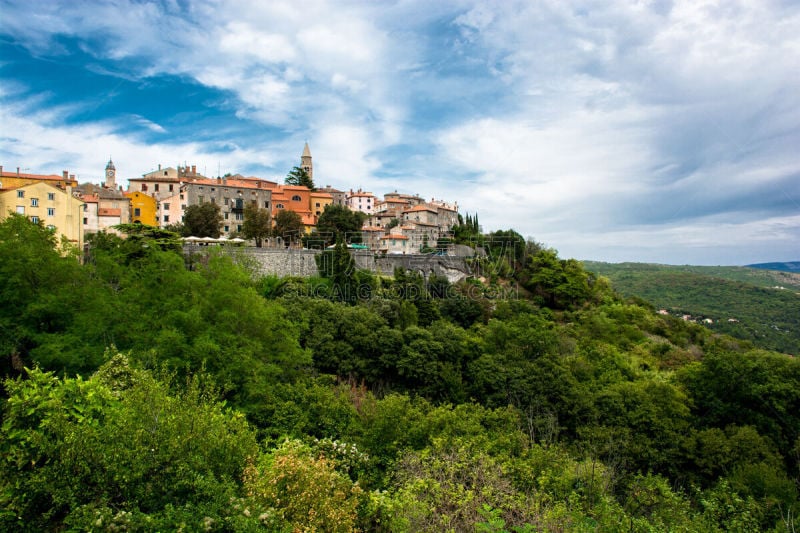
747	303
143	392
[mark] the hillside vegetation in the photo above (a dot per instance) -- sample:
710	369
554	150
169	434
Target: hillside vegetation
760	306
143	395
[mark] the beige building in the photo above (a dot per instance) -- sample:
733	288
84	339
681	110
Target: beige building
44	203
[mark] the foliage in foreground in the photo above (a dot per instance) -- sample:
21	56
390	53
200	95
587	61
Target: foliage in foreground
416	406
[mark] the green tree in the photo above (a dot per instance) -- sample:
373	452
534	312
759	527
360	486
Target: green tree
338	221
288	225
305	490
299	176
257	223
39	288
119	448
202	220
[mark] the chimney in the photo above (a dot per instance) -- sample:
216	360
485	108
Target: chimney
194	169
159	166
65	174
17	171
1	170
219	180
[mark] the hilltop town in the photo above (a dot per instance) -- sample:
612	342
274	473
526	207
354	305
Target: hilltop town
394	224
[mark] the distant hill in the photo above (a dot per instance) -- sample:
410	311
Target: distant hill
793	266
751	304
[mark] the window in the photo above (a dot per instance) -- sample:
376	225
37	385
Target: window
85	221
181	196
166	207
51	211
155	187
227	229
239	216
226	200
166	218
183	207
278	206
166	174
170	187
20	194
34	202
35	219
20	209
200	199
317	204
51	196
226	216
238	227
296	198
266	205
213	200
144	187
51	227
137	212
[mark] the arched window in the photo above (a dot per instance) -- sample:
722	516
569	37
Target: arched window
278	206
296	198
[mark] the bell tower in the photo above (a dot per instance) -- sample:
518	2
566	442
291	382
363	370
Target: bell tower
111	175
305	162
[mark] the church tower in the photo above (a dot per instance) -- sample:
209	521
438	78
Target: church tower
305	162
111	175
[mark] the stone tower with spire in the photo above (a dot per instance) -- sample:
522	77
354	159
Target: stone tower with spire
305	162
111	175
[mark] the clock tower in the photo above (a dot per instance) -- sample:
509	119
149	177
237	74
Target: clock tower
111	175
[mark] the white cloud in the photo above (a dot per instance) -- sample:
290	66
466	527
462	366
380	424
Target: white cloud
602	127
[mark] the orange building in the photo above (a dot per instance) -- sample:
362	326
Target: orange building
294	198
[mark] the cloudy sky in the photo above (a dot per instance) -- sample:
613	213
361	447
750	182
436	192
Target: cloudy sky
620	131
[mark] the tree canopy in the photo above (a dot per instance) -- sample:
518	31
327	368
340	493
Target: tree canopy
336	222
202	220
257	223
144	393
288	226
299	176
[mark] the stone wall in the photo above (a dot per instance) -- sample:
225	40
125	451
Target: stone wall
303	263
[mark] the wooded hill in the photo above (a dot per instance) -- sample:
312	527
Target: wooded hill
143	395
761	306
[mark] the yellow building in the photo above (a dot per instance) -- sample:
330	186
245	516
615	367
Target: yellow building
144	208
319	201
53	206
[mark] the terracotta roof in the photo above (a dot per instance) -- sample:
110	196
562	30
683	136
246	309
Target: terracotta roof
372	228
394	236
421	208
242	184
109	212
90	198
42	177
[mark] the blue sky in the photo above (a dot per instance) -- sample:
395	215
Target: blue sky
626	131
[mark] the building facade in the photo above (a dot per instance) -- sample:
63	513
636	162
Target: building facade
48	204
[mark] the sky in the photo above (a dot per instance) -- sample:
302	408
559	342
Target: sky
650	131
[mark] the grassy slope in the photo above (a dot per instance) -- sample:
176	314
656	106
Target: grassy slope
767	316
